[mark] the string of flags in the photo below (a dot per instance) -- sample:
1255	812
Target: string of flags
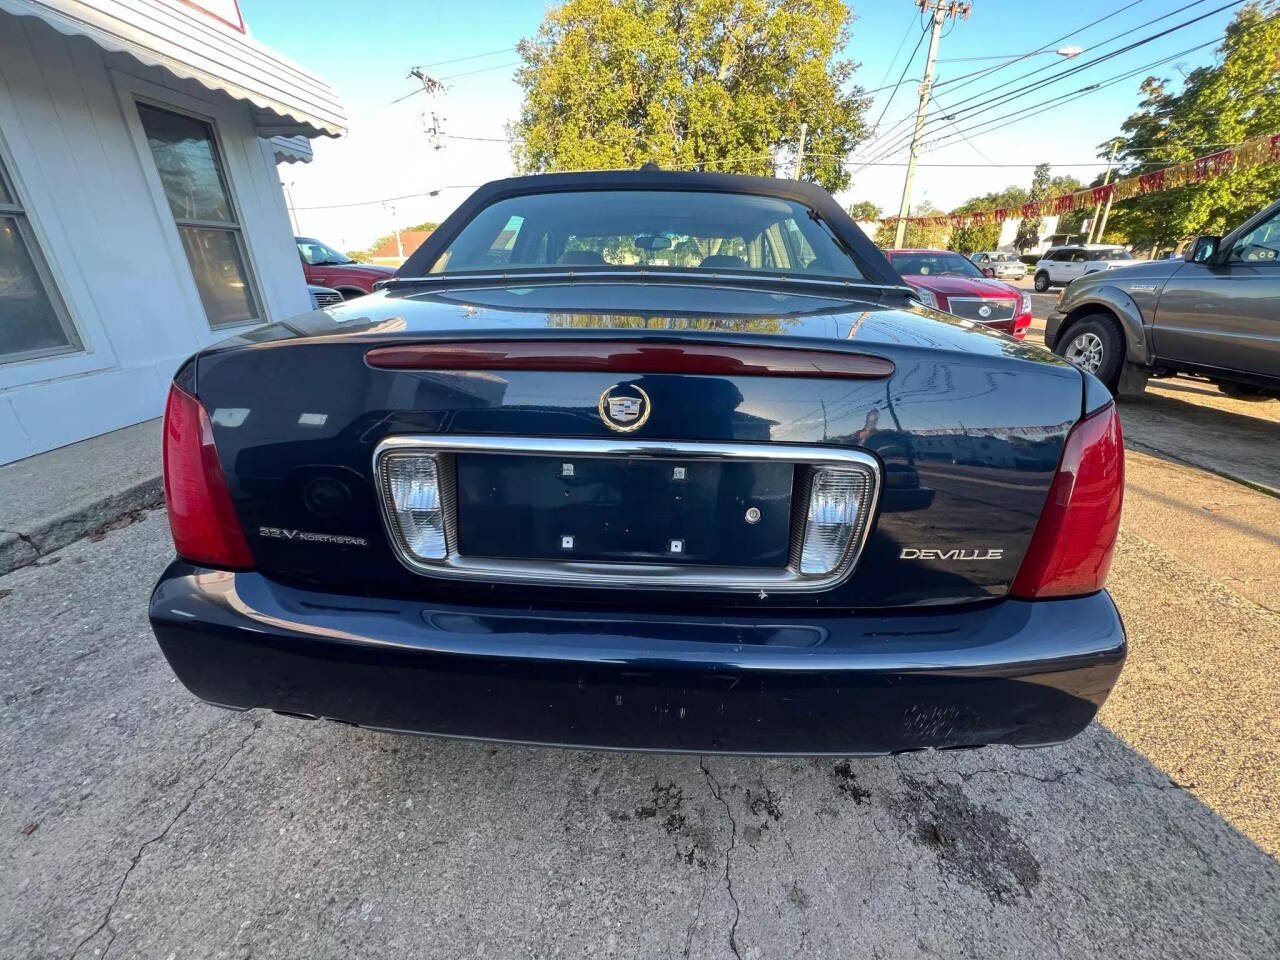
1242	156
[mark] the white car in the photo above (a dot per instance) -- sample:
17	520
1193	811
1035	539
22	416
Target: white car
1005	265
1060	265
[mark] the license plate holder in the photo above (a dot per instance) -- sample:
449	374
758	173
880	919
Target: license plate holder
694	511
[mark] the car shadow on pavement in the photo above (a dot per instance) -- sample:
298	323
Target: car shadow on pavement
1221	441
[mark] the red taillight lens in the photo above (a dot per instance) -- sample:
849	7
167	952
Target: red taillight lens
203	522
1070	552
1020	325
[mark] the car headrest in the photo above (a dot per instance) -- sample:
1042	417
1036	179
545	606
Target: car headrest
724	260
582	258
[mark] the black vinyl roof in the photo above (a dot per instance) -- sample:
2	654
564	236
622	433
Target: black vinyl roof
870	260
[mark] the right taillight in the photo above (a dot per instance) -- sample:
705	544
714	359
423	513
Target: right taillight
205	528
1070	551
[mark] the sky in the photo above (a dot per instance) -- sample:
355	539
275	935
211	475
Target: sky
365	51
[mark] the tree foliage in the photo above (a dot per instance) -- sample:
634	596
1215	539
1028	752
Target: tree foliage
1028	234
863	211
689	84
972	239
1236	98
918	235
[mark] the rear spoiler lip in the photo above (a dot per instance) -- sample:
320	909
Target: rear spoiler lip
746	279
631	355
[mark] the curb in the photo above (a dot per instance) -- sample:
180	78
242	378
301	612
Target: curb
22	548
1224	474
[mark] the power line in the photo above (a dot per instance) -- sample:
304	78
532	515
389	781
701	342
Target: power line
474	56
1046	46
407	196
969	78
905	67
500	66
1093	88
1017	58
985	105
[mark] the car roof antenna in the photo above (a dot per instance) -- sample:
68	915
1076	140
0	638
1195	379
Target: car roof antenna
649	166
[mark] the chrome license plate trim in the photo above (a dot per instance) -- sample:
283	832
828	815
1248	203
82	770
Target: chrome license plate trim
646	576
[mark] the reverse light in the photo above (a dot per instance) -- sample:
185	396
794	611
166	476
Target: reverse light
202	519
838	509
1070	551
1025	305
411	483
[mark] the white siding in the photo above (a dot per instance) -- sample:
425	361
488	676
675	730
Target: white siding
70	136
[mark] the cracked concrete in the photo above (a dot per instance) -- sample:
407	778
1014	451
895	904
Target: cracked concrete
135	821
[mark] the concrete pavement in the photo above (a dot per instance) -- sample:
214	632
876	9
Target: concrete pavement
135	821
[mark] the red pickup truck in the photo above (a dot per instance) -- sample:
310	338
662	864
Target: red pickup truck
949	281
327	267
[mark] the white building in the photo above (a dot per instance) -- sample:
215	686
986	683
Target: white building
141	214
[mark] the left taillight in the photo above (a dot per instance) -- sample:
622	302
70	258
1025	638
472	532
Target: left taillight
1070	551
202	519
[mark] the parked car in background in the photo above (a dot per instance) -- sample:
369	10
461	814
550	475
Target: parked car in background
659	500
323	296
948	281
327	267
1214	312
1006	265
1060	265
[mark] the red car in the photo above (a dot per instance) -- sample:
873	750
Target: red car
327	267
949	281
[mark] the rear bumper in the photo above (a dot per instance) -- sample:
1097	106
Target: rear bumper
1015	672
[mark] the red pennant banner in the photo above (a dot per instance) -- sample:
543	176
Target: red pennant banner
1242	156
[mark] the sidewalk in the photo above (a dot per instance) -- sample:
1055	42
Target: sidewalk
55	498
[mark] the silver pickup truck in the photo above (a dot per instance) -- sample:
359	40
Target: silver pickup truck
1215	312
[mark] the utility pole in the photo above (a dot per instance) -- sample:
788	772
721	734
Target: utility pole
396	223
1100	224
939	11
288	200
804	132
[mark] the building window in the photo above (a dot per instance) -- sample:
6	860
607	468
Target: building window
33	319
195	184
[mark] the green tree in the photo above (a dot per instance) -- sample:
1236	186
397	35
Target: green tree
1028	234
1232	100
689	84
864	210
918	235
972	239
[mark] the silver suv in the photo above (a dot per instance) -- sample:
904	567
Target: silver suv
1060	265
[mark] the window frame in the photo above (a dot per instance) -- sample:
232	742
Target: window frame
1233	260
16	209
135	95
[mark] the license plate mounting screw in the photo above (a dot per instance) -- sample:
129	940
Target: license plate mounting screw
677	546
566	543
566	469
679	473
753	514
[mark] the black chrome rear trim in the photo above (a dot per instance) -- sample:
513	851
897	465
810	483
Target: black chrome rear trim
625	575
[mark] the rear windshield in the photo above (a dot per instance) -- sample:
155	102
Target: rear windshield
1119	253
648	229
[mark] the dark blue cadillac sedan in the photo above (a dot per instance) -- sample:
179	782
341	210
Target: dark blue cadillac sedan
646	460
